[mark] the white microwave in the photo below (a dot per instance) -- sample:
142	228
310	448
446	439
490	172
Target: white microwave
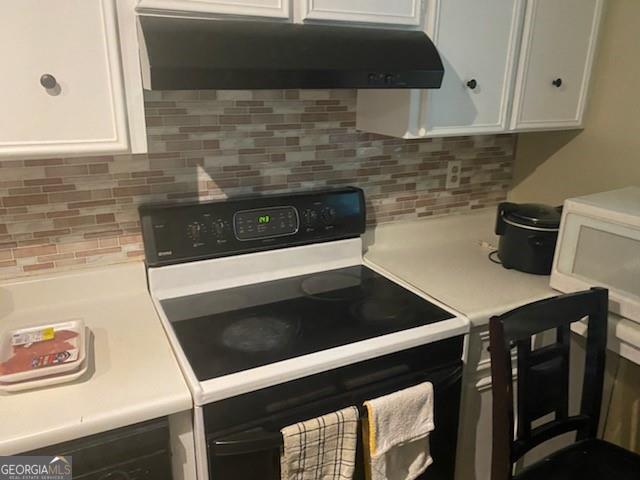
599	245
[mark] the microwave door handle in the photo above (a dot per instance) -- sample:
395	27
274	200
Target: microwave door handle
244	443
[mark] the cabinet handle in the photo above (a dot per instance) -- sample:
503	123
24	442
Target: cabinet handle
472	84
48	81
557	82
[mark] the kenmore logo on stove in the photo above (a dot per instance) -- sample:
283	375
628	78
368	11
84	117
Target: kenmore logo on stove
165	253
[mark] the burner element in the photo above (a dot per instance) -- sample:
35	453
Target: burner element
376	310
258	324
332	286
258	334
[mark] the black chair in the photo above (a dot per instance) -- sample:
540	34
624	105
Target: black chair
543	388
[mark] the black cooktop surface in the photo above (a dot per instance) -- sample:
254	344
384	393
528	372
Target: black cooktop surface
236	329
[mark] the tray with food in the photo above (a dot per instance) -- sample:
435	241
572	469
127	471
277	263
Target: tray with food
30	353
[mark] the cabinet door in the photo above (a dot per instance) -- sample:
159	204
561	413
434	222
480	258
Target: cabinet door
555	63
398	12
478	42
258	8
79	107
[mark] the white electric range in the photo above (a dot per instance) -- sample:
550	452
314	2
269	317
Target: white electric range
275	317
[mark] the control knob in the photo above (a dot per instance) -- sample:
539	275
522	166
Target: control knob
219	227
310	217
328	215
195	231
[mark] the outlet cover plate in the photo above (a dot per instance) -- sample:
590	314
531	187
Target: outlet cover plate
453	174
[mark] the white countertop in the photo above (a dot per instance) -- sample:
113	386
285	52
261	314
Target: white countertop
445	257
132	377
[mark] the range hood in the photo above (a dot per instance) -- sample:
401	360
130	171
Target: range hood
192	54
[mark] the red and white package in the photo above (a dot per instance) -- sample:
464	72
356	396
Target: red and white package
34	352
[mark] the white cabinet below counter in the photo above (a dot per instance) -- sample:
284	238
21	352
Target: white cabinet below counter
510	65
63	89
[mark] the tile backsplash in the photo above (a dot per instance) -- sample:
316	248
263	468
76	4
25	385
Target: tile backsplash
64	213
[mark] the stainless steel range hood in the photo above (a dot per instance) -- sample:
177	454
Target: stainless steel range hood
189	54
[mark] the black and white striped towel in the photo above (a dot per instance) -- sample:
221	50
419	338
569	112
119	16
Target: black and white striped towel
322	448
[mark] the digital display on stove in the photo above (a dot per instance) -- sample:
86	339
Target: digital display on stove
265	223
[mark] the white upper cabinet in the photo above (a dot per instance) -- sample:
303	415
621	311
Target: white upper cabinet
396	12
407	13
510	65
557	53
256	8
62	87
478	43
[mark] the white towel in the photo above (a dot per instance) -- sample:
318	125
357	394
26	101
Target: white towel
322	448
397	435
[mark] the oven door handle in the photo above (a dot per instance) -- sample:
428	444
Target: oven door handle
260	441
248	442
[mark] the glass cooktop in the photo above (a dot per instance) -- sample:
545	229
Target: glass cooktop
227	331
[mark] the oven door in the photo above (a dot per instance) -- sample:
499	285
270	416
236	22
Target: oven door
253	453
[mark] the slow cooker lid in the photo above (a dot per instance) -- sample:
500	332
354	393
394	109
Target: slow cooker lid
535	215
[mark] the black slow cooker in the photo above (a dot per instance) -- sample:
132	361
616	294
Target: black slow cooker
528	234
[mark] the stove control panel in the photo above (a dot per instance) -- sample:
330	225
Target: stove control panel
265	223
186	232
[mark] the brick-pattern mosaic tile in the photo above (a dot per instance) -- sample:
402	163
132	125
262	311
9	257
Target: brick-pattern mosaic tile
66	213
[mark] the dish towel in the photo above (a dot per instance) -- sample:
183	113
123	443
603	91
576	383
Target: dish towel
396	434
322	448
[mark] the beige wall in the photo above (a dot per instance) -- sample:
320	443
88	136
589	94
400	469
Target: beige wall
552	166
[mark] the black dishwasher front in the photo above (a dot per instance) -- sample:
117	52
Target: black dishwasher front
243	432
136	452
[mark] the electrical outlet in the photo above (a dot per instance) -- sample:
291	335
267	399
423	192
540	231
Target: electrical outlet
453	174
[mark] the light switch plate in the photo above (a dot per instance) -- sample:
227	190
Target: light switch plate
453	174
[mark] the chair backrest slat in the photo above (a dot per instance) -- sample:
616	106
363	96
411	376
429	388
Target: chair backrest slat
524	405
564	338
543	374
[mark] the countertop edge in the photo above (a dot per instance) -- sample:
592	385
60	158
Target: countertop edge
98	424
